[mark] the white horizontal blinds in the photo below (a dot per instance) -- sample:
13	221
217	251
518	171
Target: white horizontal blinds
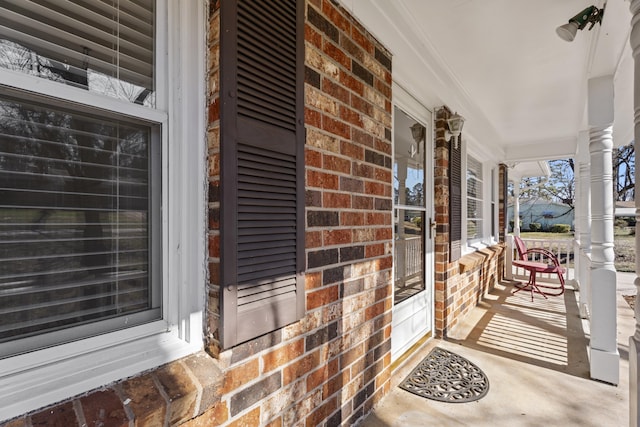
105	46
474	198
74	218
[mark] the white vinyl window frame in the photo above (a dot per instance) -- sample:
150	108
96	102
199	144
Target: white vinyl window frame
494	206
39	378
489	196
479	198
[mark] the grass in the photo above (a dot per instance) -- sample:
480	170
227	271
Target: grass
624	239
625	249
545	235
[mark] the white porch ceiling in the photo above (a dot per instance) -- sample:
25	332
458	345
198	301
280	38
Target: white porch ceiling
501	65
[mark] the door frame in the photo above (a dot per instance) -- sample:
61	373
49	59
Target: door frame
404	312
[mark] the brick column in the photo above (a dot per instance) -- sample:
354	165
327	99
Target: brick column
441	202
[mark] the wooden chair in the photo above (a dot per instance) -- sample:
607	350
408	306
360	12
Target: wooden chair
544	262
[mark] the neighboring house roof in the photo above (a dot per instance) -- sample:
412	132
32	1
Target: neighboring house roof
537	202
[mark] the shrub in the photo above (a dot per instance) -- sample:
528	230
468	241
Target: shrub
511	224
621	222
535	226
560	228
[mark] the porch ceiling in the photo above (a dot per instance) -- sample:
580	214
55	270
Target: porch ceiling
500	64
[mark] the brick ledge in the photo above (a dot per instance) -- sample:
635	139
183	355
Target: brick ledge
170	394
474	259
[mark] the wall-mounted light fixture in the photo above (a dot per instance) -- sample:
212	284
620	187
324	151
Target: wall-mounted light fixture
455	124
417	132
591	15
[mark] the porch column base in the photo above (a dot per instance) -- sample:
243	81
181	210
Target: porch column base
634	396
605	366
584	311
572	285
509	258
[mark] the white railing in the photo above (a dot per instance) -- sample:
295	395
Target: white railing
584	279
409	258
563	250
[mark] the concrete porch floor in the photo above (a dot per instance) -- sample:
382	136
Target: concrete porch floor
536	358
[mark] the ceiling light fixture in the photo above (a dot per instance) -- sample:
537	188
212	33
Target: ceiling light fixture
591	15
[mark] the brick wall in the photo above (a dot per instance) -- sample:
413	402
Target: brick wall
332	365
461	284
212	338
443	269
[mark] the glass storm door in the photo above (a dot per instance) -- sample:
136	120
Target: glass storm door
412	216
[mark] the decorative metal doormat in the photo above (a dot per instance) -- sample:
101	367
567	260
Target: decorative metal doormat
447	377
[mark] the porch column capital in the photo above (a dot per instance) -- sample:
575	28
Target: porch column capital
634	39
600	101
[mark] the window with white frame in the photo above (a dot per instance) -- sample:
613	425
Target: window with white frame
475	214
86	209
79	186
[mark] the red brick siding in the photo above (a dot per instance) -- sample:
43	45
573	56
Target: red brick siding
459	285
212	336
331	367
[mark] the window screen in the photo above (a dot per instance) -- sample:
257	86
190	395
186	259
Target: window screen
80	228
76	220
474	198
105	46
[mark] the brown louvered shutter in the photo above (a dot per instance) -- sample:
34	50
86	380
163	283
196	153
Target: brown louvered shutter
455	200
503	201
262	167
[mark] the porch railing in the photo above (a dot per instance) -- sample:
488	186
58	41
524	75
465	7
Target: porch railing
409	267
563	250
409	255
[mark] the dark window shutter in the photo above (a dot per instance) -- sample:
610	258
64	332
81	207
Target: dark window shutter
262	167
455	201
503	200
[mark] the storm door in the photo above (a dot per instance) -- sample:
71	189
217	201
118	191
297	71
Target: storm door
412	219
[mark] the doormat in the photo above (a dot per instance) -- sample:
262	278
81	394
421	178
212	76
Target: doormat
446	377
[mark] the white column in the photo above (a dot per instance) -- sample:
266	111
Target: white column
634	341
583	224
516	206
605	359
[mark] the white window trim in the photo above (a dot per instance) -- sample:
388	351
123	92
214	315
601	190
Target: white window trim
37	379
486	239
494	173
